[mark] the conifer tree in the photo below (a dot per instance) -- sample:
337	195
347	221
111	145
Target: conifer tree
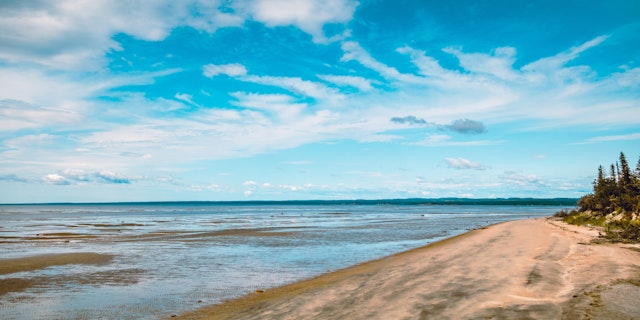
600	181
625	172
614	203
637	178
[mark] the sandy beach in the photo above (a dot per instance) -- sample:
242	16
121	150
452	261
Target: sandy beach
529	269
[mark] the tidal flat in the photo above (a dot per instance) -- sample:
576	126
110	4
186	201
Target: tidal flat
149	261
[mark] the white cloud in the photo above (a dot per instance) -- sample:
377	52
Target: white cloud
359	83
185	97
36	99
75	34
428	66
56	179
280	106
354	52
296	85
462	163
17	115
299	86
498	64
551	64
30	141
545	91
231	70
309	16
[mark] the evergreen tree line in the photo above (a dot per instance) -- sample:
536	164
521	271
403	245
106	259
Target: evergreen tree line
619	191
614	204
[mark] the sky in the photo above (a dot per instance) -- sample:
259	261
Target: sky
217	100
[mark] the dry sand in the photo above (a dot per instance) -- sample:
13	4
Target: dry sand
530	269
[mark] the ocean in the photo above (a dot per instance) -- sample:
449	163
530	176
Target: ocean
169	258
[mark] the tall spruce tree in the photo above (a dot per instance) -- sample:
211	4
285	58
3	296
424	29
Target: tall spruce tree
600	180
625	172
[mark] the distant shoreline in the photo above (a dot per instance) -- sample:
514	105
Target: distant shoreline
408	201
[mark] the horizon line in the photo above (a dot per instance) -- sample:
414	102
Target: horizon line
397	201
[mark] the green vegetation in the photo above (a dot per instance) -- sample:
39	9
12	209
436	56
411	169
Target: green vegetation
614	204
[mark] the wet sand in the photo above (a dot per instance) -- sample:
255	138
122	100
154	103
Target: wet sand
10	266
529	269
48	260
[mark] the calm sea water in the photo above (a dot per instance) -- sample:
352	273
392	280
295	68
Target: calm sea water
171	258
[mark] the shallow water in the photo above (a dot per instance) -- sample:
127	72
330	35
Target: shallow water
175	257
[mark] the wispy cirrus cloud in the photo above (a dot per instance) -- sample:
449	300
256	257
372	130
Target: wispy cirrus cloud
549	65
360	83
498	64
353	51
296	85
493	87
620	137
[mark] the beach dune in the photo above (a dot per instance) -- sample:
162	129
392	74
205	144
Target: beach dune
529	269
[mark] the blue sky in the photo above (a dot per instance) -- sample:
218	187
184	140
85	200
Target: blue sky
301	99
